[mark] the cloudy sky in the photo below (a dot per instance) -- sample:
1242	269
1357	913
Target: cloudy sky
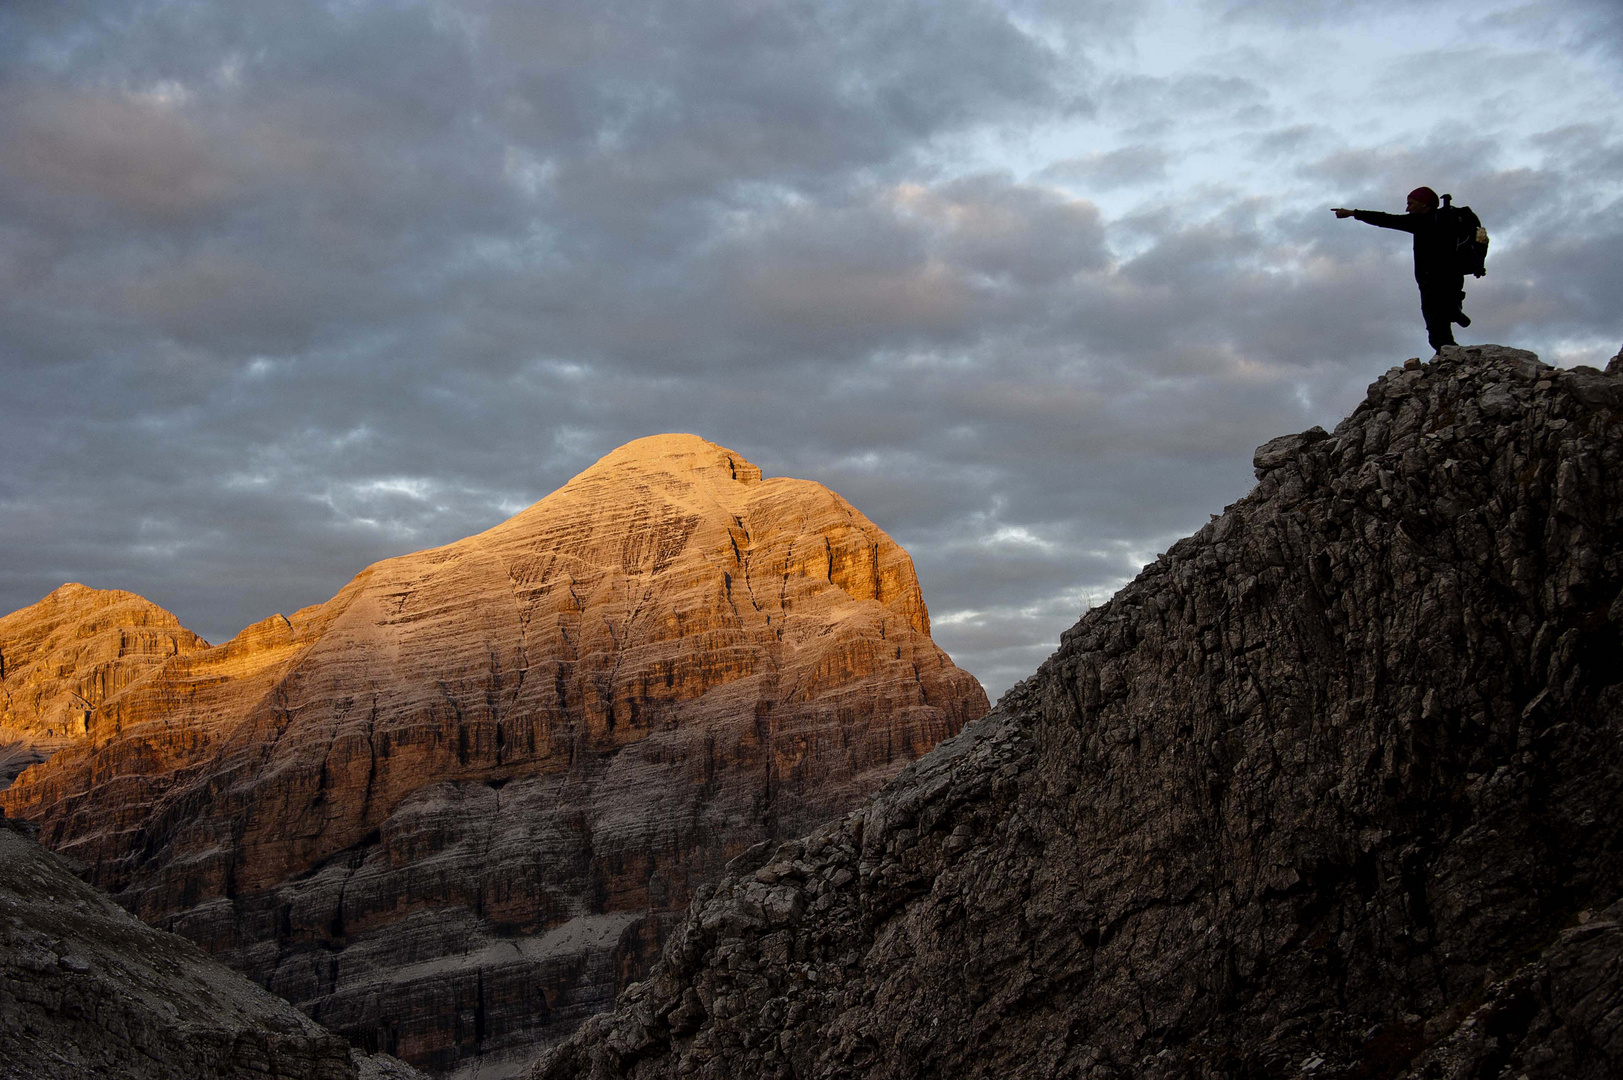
286	288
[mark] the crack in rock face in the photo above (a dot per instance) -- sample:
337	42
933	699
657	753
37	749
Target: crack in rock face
451	811
1334	788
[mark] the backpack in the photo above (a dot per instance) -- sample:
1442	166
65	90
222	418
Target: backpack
1470	238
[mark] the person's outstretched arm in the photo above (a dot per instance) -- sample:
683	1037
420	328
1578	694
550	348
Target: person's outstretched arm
1402	222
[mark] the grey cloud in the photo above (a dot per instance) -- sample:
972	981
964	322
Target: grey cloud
1569	281
668	111
1194	252
921	255
1310	12
1397	169
1578	27
682	101
1480	89
1182	98
1590	149
883	266
1288	141
1113	169
107	157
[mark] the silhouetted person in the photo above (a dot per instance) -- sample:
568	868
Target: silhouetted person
1436	268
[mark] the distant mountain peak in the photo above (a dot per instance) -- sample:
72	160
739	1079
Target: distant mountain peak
499	767
64	656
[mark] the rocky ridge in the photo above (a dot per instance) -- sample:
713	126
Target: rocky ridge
64	656
86	989
449	812
1334	788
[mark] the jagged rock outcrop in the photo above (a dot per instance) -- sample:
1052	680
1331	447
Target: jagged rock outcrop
450	811
62	657
86	989
1334	788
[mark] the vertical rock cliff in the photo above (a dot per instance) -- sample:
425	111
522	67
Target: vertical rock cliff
446	812
1333	789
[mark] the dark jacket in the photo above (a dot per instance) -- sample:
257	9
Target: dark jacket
1433	243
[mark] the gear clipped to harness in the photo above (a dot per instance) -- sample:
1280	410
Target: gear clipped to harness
1470	238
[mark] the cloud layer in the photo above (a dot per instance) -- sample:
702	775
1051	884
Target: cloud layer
289	288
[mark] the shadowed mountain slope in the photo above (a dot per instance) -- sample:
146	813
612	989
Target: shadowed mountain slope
1334	788
445	812
86	989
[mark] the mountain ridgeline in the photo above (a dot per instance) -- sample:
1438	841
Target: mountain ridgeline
1334	788
451	811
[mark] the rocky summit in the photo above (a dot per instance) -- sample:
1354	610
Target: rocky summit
62	657
449	812
1334	788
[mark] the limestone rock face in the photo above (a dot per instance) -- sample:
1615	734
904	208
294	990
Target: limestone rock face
451	810
86	989
1333	789
62	657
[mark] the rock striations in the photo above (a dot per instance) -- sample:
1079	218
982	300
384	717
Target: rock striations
1333	789
446	812
86	989
62	657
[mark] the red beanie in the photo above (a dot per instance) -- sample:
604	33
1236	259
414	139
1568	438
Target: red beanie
1425	195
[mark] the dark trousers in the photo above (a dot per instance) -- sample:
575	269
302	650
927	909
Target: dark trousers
1440	302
